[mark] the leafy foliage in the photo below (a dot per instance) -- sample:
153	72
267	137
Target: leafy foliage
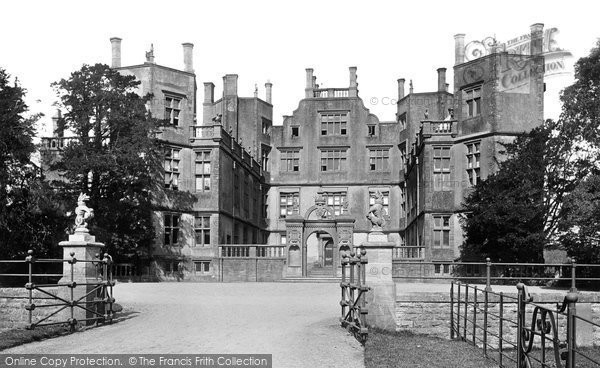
546	192
115	158
505	213
582	221
29	218
579	226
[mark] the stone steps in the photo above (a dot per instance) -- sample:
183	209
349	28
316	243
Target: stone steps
312	279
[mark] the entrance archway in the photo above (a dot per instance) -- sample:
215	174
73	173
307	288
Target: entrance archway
320	235
319	247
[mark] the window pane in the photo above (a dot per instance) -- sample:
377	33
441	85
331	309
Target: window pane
436	238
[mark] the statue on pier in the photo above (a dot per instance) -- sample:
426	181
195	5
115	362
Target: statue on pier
83	212
377	213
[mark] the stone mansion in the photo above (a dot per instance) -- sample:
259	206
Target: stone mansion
282	201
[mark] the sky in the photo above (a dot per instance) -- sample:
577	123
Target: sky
44	41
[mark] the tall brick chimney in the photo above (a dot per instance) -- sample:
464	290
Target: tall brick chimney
459	48
209	92
230	85
188	57
536	41
441	79
401	88
268	89
309	83
116	52
353	92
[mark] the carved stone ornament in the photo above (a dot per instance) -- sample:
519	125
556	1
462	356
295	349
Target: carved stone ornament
83	213
376	212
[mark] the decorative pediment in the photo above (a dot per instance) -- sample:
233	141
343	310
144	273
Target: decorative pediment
320	211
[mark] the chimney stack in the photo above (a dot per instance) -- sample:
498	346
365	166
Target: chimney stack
188	57
116	52
230	85
401	88
268	88
55	120
459	48
441	79
310	85
353	82
209	92
536	40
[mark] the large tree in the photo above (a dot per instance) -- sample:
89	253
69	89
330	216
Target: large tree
541	196
579	228
29	218
504	217
114	159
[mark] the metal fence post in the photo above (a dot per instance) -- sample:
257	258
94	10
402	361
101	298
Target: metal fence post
520	323
474	315
72	285
343	284
571	328
466	310
500	329
458	310
485	321
452	310
29	259
488	268
573	276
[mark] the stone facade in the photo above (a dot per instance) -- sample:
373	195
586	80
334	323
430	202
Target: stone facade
298	193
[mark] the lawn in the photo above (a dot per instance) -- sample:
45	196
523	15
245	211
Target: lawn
14	337
406	349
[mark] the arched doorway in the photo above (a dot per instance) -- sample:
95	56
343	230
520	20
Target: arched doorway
319	234
319	254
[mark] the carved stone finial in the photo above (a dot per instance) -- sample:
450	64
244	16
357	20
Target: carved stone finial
150	54
84	214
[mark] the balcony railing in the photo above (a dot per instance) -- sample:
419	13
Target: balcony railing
252	251
331	93
409	252
199	131
439	127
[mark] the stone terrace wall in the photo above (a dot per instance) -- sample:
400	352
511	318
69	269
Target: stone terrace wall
252	269
428	312
13	313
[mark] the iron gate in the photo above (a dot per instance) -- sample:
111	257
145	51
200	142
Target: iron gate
354	308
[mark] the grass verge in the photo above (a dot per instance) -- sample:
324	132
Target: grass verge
10	338
406	349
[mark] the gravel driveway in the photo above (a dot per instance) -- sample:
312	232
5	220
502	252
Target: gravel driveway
297	323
